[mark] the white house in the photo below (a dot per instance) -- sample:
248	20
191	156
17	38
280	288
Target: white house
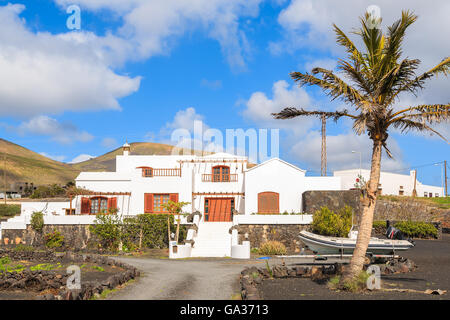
219	186
390	183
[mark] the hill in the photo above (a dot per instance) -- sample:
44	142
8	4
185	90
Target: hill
107	162
25	165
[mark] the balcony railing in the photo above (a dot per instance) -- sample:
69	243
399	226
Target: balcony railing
158	172
219	177
161	172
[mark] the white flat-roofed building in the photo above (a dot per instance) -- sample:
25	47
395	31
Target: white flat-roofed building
390	183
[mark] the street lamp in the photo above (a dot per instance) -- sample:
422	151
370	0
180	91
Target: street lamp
442	176
360	161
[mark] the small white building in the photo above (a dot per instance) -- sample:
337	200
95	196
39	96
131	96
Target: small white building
390	183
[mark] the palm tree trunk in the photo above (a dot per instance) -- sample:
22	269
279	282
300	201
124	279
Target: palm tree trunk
365	225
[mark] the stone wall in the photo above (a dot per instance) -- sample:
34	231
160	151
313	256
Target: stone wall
407	209
334	200
285	233
76	237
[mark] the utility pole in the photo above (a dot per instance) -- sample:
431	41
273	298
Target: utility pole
414	192
445	176
323	167
4	174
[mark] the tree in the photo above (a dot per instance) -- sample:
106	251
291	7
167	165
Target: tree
376	78
174	208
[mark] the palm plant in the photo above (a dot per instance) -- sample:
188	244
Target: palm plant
376	78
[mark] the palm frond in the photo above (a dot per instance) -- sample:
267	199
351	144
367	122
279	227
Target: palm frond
434	113
290	112
331	84
405	125
417	83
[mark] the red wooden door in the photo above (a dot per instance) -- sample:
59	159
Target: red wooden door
219	209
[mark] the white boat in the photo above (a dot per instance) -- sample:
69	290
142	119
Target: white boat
335	245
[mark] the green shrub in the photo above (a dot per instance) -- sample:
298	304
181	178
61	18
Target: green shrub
416	229
50	191
37	221
272	248
153	228
54	239
108	229
23	248
9	210
412	229
328	223
149	230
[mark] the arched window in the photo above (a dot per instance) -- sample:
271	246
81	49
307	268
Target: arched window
221	174
268	202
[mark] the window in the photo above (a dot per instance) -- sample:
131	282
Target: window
268	202
436	195
99	205
425	194
153	202
68	212
158	201
221	174
147	172
206	205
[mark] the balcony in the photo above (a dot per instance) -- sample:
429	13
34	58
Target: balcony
219	178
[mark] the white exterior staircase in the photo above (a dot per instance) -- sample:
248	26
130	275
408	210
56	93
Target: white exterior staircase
213	240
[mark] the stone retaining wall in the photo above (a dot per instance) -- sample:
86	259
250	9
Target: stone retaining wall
76	237
285	233
42	279
334	200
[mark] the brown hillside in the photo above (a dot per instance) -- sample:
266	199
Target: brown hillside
28	166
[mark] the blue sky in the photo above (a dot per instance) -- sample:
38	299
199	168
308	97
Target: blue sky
139	69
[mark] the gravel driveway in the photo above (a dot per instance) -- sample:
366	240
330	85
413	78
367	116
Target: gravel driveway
208	279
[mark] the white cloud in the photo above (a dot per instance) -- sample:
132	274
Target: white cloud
326	63
64	133
308	24
81	158
339	152
52	73
152	26
109	143
54	157
258	107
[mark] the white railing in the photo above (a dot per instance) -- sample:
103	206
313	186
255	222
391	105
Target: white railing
272	219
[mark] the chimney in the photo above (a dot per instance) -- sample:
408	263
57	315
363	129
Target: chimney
126	149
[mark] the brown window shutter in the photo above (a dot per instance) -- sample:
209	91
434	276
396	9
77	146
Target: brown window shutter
85	205
148	202
173	197
112	203
268	202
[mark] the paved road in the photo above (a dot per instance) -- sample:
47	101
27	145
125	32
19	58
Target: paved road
202	279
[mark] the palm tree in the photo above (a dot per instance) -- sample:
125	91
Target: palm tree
376	77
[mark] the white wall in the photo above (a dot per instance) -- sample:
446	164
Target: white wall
47	208
390	182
